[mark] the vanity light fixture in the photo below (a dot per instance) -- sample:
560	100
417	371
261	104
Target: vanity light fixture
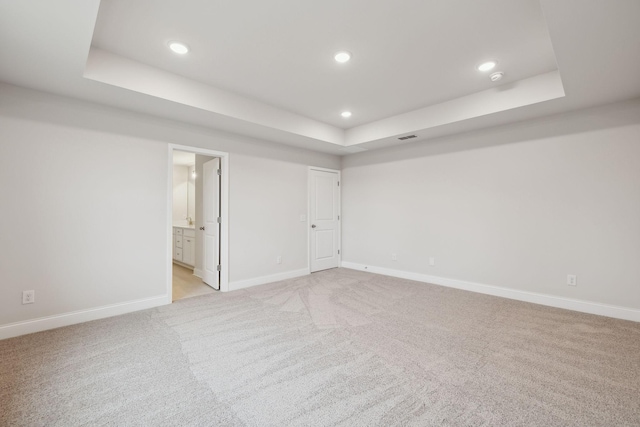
193	174
486	66
342	57
178	48
346	114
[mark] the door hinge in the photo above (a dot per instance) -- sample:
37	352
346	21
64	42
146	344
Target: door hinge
219	220
338	251
219	172
338	217
338	183
218	268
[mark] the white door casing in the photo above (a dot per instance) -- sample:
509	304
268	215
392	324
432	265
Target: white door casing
324	211
211	213
223	235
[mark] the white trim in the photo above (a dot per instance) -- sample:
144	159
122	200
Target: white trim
241	284
224	214
79	316
169	207
309	169
317	168
608	310
197	272
183	264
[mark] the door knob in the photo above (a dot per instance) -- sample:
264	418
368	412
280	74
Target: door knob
202	228
313	226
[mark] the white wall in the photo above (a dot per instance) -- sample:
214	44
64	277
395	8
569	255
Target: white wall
518	206
268	197
95	234
88	235
191	192
180	193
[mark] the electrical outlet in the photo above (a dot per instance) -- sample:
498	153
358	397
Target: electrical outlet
432	261
572	280
279	259
28	297
394	257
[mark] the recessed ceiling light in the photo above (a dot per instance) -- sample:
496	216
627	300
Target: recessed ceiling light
342	56
486	66
178	48
346	114
498	75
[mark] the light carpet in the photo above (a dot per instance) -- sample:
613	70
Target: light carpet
339	347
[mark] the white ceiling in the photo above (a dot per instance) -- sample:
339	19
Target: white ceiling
265	69
407	54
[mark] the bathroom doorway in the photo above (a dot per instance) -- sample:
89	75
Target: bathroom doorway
198	210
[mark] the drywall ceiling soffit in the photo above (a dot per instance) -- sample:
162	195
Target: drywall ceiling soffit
275	79
403	77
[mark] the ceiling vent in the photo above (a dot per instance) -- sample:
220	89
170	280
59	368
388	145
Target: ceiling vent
402	138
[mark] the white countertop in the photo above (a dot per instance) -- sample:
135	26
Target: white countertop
191	227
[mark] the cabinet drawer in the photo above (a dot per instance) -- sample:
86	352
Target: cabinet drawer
178	254
177	231
179	241
187	232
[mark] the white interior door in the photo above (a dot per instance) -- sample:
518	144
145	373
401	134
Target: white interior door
324	211
211	213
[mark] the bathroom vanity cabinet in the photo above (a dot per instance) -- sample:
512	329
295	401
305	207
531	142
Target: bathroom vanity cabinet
184	245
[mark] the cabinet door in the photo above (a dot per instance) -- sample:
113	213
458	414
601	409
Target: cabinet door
188	250
174	246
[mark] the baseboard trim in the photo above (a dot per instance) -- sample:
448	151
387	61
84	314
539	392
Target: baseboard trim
614	311
56	321
197	272
241	284
183	264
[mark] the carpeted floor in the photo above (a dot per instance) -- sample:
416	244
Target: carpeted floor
339	347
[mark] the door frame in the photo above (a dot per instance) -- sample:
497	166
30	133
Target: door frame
224	214
309	169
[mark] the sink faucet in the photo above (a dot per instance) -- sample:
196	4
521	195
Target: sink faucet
190	220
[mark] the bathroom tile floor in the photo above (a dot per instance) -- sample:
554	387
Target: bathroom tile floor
186	285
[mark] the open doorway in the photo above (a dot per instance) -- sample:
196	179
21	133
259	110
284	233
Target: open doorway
198	194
